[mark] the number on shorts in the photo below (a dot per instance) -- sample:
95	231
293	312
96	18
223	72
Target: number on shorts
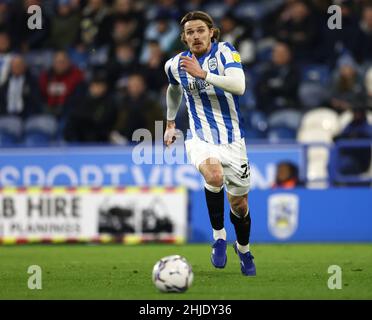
245	173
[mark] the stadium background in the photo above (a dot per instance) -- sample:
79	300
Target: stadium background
94	74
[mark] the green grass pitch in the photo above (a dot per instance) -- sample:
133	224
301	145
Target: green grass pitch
284	271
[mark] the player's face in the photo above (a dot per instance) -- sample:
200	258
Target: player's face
198	36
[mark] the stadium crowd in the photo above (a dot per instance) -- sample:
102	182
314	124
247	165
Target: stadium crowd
94	72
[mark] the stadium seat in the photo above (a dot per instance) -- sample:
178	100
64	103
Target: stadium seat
255	120
40	130
285	118
315	79
263	53
36	139
252	10
10	130
39	60
317	176
314	135
317	156
317	166
78	58
248	100
253	134
312	94
7	140
346	117
322	119
215	9
317	73
277	134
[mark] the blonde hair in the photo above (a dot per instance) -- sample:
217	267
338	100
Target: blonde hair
199	15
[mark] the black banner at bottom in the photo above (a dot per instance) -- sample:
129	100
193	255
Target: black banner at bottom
184	309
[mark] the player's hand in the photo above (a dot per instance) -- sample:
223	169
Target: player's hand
191	66
170	133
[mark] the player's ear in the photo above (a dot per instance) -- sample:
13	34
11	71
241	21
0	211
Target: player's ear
216	34
182	36
211	33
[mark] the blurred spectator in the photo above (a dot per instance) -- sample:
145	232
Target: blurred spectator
20	95
153	69
193	5
5	15
355	160
124	9
368	88
95	24
269	21
240	36
128	8
137	110
127	37
217	9
170	8
126	29
25	38
336	42
347	85
94	114
60	84
64	26
363	48
278	85
122	64
298	27
165	31
5	56
286	176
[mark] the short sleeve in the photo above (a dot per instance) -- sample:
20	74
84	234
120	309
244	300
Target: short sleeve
230	57
168	72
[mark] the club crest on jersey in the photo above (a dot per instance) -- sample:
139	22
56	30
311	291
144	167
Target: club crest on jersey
212	64
283	215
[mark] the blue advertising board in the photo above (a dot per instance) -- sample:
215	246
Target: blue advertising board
297	215
114	166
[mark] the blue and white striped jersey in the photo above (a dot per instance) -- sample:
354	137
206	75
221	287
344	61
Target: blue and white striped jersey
214	114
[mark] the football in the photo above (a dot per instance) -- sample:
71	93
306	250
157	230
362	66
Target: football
172	274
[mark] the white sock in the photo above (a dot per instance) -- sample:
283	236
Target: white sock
219	234
212	188
243	249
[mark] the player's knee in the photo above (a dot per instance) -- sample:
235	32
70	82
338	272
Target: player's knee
240	207
214	178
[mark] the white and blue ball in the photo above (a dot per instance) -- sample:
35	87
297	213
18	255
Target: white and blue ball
172	274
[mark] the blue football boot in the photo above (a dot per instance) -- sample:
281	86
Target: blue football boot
246	262
218	256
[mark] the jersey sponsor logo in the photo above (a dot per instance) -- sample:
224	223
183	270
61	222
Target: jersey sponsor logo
198	84
283	211
236	57
212	64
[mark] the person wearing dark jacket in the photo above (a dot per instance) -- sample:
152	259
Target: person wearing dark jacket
94	115
136	110
19	95
277	87
355	160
